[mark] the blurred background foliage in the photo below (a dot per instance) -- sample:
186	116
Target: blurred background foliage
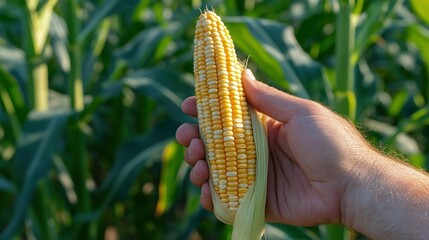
90	94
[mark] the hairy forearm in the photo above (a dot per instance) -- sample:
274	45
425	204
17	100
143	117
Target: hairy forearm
386	199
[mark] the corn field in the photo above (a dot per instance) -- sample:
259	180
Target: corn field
90	95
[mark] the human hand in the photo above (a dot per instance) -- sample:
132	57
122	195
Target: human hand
321	170
312	151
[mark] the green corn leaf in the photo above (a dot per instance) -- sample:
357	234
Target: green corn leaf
421	8
149	43
365	88
102	12
33	161
310	73
417	120
419	160
139	50
398	103
59	42
334	231
13	59
194	217
6	185
275	50
419	36
12	102
376	17
166	86
282	232
132	156
250	36
172	160
401	141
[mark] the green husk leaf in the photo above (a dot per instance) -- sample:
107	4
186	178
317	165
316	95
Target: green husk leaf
250	218
249	221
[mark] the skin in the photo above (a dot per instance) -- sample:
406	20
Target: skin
321	170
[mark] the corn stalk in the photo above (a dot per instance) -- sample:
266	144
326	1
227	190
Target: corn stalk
345	99
79	166
36	26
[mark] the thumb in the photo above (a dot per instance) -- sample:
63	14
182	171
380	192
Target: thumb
270	101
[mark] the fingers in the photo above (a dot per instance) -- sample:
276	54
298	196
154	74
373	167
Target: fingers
199	177
270	101
199	173
188	135
186	132
195	151
206	197
189	106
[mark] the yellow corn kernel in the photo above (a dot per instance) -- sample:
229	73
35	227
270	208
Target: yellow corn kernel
218	76
233	134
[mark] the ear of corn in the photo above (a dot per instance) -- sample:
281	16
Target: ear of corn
233	133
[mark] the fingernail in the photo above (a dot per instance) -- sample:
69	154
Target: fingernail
249	74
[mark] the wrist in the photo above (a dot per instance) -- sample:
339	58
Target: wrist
383	196
355	192
358	192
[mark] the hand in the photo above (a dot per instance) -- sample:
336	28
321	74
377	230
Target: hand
321	169
311	152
